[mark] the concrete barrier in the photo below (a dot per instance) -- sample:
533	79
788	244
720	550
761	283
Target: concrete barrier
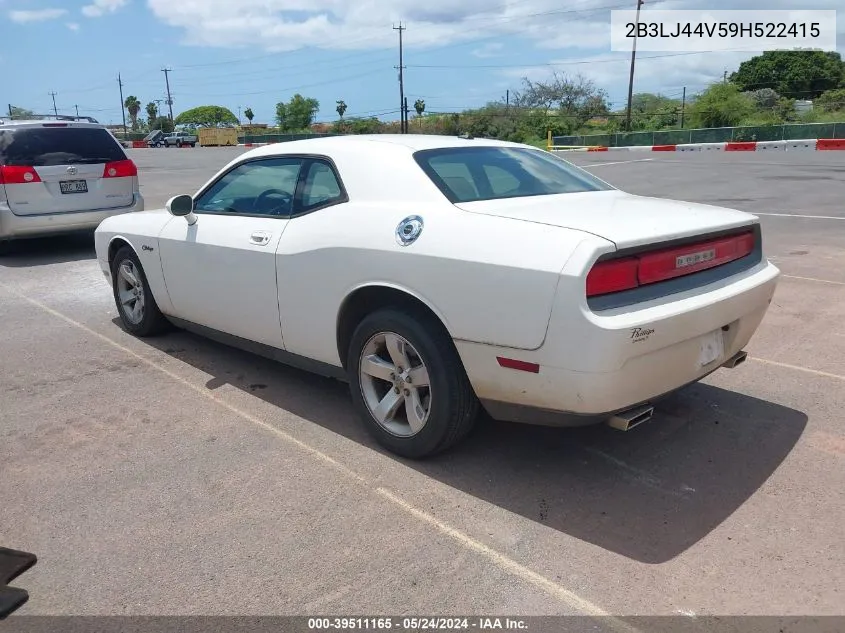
730	146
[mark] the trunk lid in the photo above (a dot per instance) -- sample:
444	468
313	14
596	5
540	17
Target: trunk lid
625	219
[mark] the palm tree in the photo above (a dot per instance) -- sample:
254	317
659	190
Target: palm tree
419	106
249	115
341	108
133	107
152	112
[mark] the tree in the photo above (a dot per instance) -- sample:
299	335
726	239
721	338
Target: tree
801	74
21	113
297	114
831	101
341	108
152	113
133	107
207	116
419	106
721	105
654	111
248	113
563	103
764	98
162	123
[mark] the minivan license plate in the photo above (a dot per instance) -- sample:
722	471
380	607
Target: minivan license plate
73	186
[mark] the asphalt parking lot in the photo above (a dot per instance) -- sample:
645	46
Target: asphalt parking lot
178	476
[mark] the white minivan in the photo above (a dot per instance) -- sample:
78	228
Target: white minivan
61	177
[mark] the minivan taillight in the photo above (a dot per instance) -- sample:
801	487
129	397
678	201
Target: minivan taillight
18	175
120	169
616	275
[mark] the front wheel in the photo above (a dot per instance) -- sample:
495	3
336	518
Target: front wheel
408	384
136	306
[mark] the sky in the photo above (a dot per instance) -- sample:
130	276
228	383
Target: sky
255	53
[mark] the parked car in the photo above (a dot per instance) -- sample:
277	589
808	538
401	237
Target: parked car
58	177
177	139
437	275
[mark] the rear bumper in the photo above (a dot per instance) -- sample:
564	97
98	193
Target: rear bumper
23	226
593	366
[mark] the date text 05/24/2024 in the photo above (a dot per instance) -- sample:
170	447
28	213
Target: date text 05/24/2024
417	623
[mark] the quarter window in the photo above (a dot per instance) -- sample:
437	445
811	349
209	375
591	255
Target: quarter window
261	187
321	186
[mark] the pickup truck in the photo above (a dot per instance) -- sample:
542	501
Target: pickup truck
177	139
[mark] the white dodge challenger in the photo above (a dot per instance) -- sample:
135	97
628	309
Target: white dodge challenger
438	275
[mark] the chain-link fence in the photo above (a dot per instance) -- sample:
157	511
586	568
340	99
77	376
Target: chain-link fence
788	132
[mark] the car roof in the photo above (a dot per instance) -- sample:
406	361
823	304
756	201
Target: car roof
7	124
371	142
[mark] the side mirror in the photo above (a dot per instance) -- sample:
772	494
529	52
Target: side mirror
182	206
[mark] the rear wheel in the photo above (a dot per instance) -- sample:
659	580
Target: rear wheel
408	384
136	306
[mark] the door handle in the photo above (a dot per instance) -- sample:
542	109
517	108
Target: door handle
260	238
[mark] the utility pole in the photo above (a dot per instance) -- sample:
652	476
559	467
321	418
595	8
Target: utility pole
402	106
55	111
725	77
122	107
633	59
10	111
405	114
169	98
683	106
508	98
77	110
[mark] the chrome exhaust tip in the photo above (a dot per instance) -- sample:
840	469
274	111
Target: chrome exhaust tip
736	360
627	420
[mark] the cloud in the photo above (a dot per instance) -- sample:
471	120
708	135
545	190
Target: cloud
101	7
73	26
36	15
278	25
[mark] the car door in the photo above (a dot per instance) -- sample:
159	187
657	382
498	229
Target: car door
221	271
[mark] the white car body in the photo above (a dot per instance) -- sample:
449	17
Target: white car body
33	175
505	277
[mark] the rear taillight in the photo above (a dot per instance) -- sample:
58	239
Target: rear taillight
120	169
18	175
615	275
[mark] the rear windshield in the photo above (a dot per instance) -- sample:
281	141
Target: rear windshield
468	174
44	146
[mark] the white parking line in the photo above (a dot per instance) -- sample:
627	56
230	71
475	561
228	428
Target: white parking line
796	215
499	559
821	281
618	162
806	370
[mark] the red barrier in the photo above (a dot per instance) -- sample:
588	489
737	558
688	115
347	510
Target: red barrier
597	149
663	148
745	146
830	143
138	144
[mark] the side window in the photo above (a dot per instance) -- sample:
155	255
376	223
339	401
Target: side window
501	181
261	187
321	186
457	177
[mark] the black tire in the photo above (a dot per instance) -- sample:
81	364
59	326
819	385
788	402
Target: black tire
153	321
454	406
